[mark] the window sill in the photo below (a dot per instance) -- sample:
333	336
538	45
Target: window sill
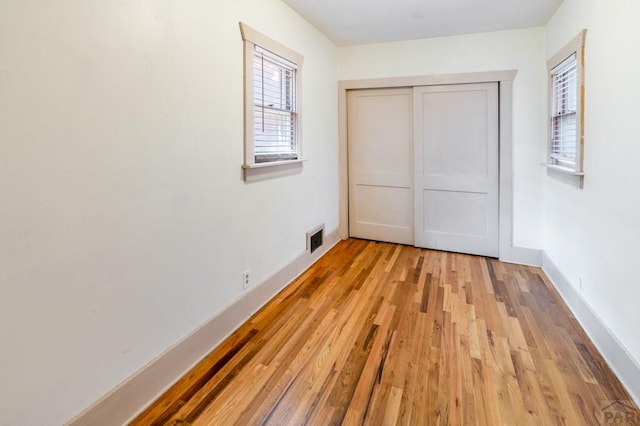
562	169
261	171
270	164
565	174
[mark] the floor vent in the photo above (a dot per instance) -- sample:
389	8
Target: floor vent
315	238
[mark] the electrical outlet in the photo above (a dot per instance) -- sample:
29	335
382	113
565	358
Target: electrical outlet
245	279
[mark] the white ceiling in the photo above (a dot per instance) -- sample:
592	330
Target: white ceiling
350	22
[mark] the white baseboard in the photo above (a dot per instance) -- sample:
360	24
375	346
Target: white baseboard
130	398
521	256
621	362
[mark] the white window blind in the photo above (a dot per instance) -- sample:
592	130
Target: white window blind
564	130
275	110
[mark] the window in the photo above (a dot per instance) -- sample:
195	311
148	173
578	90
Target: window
564	130
275	115
272	76
566	107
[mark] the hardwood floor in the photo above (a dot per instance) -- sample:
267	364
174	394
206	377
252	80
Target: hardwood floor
377	333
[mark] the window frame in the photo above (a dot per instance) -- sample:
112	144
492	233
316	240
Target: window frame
574	47
251	39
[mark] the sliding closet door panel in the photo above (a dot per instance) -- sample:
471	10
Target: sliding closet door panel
456	168
380	164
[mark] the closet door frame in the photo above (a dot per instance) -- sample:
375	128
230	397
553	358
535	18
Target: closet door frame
507	251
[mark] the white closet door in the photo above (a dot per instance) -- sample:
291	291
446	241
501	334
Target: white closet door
380	164
456	168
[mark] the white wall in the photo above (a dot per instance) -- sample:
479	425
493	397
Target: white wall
522	50
124	221
592	235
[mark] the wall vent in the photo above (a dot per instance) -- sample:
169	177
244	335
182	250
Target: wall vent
315	238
